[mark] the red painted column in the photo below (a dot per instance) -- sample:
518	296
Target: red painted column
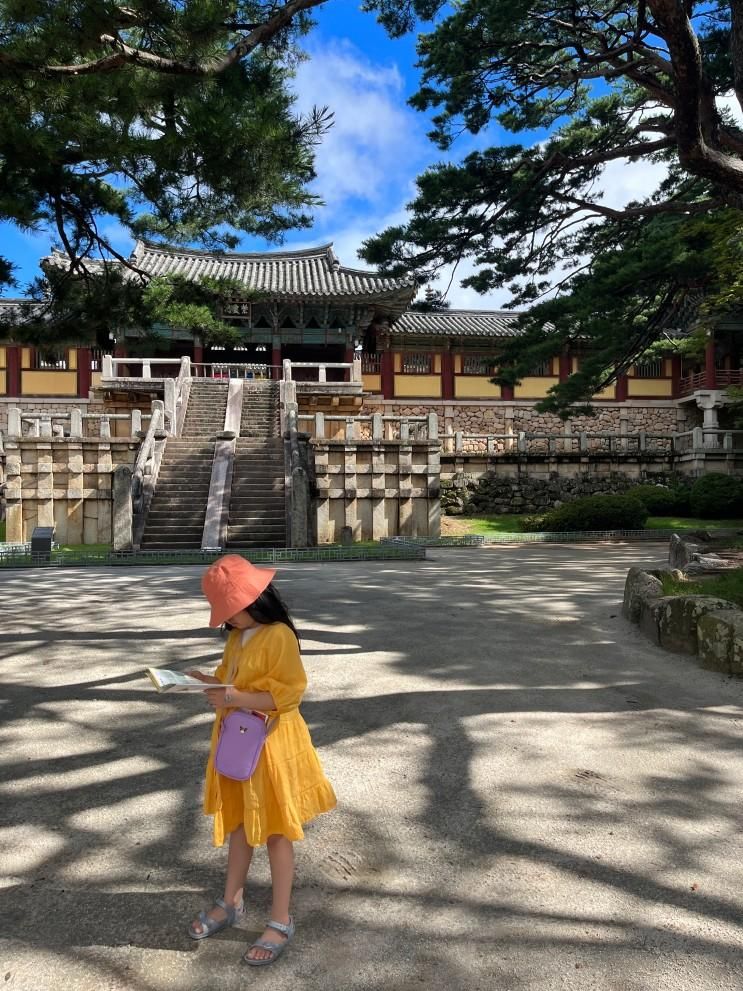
387	370
83	372
621	389
447	375
566	367
13	370
198	353
676	375
710	373
348	359
276	361
506	392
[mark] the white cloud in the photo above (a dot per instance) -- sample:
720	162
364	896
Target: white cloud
376	143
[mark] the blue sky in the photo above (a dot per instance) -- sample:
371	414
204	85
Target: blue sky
368	163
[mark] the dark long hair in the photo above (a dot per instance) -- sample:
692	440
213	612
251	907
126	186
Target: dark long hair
269	607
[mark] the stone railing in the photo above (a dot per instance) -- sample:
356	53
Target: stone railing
353	367
234	370
706	439
144	473
375	427
71	425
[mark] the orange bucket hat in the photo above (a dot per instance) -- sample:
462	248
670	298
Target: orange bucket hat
231	584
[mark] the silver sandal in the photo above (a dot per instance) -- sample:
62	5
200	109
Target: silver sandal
275	949
210	926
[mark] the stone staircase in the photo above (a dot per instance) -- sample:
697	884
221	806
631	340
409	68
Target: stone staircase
207	405
178	510
257	516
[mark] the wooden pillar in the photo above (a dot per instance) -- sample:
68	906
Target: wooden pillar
387	370
621	389
348	359
566	367
506	392
83	374
13	370
447	375
710	372
198	351
676	375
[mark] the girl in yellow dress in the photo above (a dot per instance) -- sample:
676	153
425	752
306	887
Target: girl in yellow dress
288	787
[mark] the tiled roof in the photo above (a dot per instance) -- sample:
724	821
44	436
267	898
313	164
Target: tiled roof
315	272
11	310
459	323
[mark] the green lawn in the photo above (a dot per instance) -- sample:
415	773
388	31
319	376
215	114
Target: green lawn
728	586
511	523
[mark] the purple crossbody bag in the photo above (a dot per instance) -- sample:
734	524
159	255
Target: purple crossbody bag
241	740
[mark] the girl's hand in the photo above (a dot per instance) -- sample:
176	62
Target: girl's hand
206	678
217	698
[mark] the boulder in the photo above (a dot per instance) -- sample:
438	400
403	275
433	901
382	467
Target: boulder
678	617
680	552
640	588
720	637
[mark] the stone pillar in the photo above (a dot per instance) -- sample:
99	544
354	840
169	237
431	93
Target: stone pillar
405	526
378	480
75	485
45	485
13	494
351	509
122	509
322	455
15	425
76	424
98	519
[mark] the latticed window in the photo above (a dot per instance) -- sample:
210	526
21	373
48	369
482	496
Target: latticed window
50	360
477	364
419	363
543	368
96	359
370	363
649	369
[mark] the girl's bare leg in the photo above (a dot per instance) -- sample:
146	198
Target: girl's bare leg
239	857
281	858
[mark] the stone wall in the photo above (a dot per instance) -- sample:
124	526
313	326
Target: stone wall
377	488
660	417
62	483
531	491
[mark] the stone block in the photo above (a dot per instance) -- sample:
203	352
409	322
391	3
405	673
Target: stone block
678	617
715	634
680	552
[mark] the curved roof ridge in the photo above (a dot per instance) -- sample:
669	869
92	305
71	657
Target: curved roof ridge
171	249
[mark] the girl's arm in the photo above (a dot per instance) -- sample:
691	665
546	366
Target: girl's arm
208	679
220	698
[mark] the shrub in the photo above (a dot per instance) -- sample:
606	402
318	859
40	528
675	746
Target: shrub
715	496
608	512
657	499
533	524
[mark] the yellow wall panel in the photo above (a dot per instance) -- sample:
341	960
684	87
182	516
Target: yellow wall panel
3	385
556	367
3	358
607	393
637	388
428	386
25	357
437	363
457	364
534	387
372	383
398	361
475	387
48	383
95	379
72	359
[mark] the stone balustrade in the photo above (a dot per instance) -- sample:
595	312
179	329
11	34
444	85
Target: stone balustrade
73	424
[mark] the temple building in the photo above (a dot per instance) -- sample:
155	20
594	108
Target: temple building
306	306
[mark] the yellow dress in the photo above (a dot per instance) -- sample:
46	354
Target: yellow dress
288	787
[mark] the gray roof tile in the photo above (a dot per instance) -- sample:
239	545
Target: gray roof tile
314	272
459	323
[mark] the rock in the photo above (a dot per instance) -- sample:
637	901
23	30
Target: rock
678	618
720	639
640	587
680	552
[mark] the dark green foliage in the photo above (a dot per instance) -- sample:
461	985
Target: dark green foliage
169	120
716	497
610	512
657	499
531	215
